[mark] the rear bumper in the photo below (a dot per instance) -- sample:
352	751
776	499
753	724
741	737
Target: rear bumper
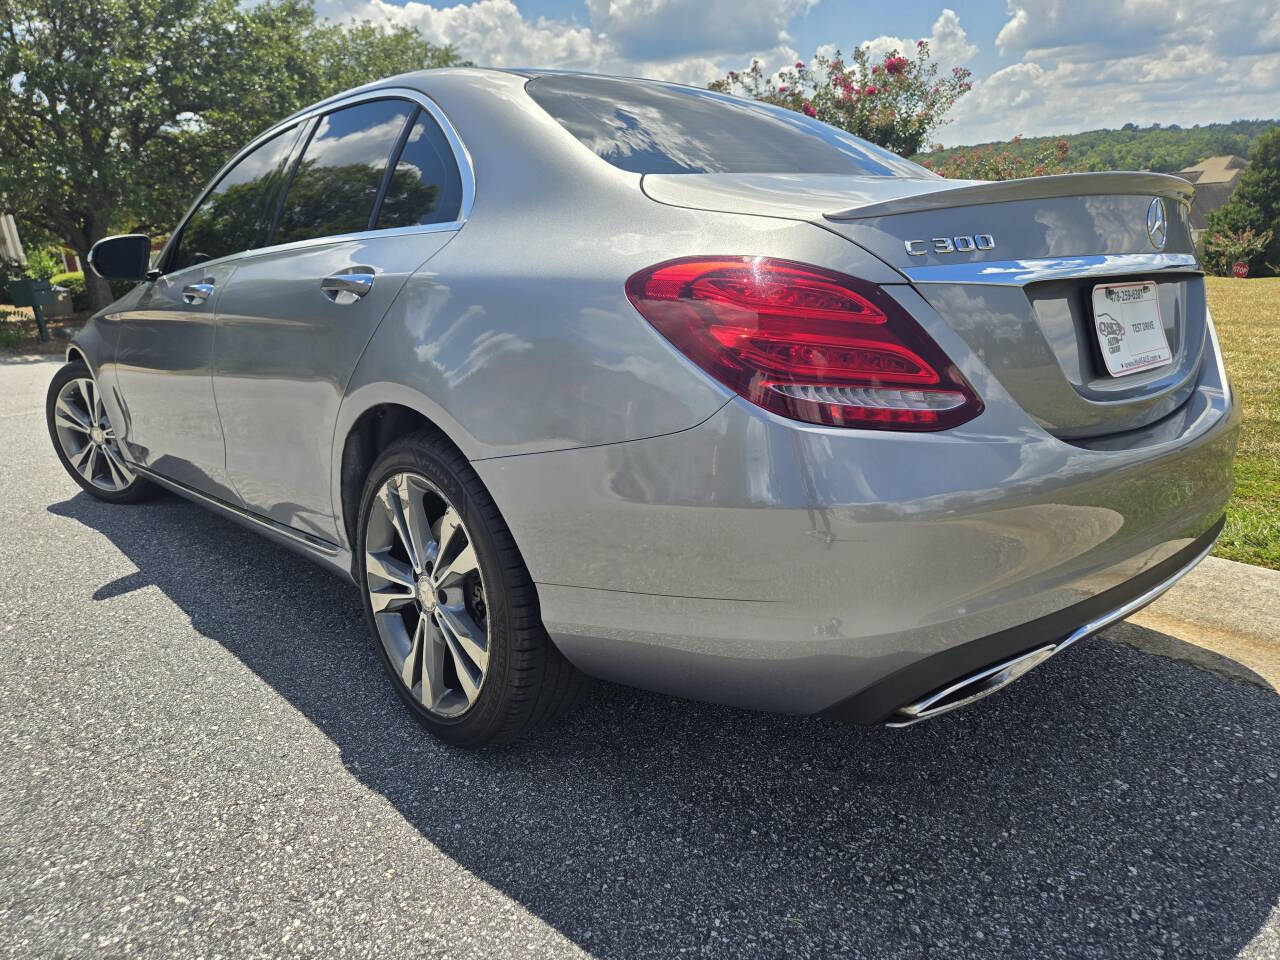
766	564
927	688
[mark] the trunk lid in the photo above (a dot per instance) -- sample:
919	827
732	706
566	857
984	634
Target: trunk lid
1011	267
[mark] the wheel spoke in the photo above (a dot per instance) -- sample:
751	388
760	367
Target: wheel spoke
79	458
462	667
421	544
433	654
65	415
118	465
471	637
86	396
113	472
386	601
450	523
462	563
411	669
381	564
90	464
390	498
99	412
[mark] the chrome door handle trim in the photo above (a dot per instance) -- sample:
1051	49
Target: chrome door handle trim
346	287
197	292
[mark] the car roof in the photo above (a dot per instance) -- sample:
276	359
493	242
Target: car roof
415	77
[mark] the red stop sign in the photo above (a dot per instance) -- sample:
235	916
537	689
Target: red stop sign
1241	269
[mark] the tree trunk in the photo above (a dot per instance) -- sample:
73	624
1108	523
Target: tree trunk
84	233
99	290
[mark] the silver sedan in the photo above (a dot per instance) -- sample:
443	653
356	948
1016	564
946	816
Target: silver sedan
583	376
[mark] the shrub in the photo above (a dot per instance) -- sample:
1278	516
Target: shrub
1005	163
43	263
895	103
1225	248
11	334
74	282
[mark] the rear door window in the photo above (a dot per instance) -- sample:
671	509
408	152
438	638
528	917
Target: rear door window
337	180
649	127
235	214
425	185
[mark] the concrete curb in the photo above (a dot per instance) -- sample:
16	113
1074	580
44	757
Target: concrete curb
1223	616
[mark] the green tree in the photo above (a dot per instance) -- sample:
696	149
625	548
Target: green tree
1254	207
896	103
113	113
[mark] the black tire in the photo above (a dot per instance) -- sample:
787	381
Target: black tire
527	682
138	488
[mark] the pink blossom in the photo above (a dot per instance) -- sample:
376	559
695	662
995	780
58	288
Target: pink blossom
809	111
876	68
799	64
783	88
895	64
919	44
869	91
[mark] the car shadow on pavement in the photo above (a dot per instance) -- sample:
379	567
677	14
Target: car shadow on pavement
1112	803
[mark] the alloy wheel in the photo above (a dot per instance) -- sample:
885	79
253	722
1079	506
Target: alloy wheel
427	594
87	438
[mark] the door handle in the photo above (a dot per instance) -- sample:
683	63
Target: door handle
346	287
197	292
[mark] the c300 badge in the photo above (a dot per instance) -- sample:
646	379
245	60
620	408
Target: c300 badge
966	244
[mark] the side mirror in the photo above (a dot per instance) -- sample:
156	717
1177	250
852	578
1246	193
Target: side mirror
123	257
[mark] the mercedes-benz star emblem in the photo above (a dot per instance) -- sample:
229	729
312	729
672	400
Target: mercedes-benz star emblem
1157	225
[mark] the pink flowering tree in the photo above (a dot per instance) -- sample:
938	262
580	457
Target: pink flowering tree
895	102
994	162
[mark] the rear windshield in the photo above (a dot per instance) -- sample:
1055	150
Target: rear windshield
650	127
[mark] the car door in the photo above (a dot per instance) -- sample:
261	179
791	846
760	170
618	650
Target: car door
351	227
164	351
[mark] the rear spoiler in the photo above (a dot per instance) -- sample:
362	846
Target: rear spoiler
1030	188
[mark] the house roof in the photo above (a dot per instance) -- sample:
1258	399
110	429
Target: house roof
1224	169
1215	179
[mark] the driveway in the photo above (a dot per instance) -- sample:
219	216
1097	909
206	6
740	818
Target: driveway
199	756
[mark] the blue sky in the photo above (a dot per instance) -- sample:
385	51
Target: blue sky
1040	66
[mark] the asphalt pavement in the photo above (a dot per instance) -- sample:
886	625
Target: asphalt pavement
199	756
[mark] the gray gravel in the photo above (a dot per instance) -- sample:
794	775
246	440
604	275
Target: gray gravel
200	757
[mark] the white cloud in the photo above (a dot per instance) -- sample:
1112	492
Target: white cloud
490	32
651	29
1087	64
1076	64
948	42
633	37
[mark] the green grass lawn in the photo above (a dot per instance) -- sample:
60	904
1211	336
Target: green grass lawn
1247	315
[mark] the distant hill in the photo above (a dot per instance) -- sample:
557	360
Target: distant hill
1163	149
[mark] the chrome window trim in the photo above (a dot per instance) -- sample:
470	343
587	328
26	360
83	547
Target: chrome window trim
1019	272
461	156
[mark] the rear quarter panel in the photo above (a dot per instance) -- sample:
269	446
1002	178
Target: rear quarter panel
518	337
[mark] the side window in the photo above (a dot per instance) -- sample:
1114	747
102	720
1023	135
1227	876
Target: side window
425	185
232	215
337	180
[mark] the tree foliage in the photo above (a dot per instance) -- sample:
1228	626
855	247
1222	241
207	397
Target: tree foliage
1251	217
1002	163
113	113
1163	149
896	103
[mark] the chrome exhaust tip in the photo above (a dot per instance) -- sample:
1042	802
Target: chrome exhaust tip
971	688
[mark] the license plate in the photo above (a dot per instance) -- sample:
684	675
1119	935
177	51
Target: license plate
1130	331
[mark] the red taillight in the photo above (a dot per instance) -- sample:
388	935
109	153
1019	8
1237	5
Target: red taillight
804	342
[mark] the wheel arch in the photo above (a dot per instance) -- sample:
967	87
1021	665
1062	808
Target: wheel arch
362	434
